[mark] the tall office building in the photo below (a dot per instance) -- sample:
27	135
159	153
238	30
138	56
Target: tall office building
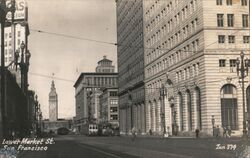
130	54
192	47
87	89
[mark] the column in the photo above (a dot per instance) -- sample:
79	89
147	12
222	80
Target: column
195	116
153	117
159	124
167	115
139	113
148	108
143	114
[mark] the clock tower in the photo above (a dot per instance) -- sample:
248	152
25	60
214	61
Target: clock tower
53	103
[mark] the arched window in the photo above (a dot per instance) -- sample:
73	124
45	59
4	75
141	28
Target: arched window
189	107
181	111
198	104
229	107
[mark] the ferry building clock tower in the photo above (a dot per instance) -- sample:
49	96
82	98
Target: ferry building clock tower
53	103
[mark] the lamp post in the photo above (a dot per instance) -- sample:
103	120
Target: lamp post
213	121
162	94
242	72
24	65
3	12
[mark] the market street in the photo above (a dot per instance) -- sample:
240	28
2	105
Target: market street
74	146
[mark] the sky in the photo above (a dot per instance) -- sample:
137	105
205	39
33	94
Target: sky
67	57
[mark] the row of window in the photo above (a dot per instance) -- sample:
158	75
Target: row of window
101	81
231	39
176	38
232	63
171	59
230	2
188	72
10	34
113	101
230	20
154	87
10	43
130	18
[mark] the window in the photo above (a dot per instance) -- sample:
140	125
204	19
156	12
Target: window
246	39
113	117
113	102
231	39
220	20
113	109
244	2
229	2
18	33
245	20
232	63
222	63
221	38
113	94
219	2
230	20
229	107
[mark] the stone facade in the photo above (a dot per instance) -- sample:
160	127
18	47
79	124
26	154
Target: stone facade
185	54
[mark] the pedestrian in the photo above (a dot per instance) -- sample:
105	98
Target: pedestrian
217	131
229	131
150	131
133	133
197	131
224	132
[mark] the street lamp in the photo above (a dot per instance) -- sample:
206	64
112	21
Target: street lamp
3	12
23	64
162	94
242	72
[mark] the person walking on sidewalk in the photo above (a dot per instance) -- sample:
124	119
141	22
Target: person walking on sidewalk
133	133
197	131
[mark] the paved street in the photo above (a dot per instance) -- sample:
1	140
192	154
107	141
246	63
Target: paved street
125	147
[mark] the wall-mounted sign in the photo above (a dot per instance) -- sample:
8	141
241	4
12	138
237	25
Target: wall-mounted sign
20	13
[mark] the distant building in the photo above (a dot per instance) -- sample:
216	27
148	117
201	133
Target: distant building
105	66
88	83
109	109
53	103
53	123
